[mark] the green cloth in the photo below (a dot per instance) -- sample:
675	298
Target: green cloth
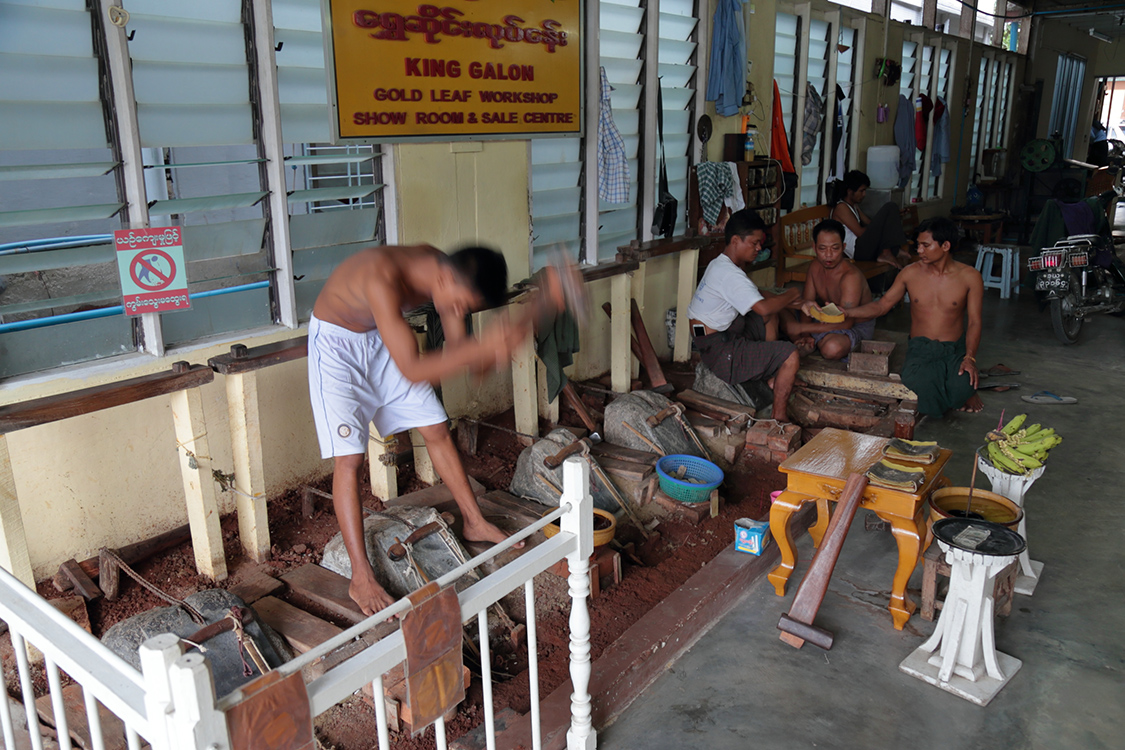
931	372
556	344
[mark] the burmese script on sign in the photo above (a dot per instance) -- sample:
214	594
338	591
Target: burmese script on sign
474	67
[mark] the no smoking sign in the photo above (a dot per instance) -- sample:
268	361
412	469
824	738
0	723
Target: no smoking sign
150	263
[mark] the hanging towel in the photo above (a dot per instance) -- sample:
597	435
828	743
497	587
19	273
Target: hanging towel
904	139
941	138
726	76
715	186
922	108
779	141
734	201
814	116
613	167
779	150
556	345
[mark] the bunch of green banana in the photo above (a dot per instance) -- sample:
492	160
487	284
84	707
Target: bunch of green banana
1016	449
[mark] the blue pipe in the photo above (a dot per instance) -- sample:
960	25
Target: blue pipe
105	312
53	243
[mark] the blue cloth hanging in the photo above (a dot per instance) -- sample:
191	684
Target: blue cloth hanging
726	73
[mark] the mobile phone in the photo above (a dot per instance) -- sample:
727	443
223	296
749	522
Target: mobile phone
699	329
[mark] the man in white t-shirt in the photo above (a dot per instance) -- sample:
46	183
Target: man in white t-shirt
734	324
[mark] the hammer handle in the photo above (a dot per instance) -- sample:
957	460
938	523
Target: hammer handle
661	415
421	533
555	461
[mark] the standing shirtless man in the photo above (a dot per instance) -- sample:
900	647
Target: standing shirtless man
941	356
832	278
364	366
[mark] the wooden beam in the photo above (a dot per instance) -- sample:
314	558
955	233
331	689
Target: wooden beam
890	386
14	556
243	359
620	356
381	460
249	469
423	466
637	293
199	485
685	288
65	405
304	631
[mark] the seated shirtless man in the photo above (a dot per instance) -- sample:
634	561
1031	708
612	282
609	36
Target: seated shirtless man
832	278
941	356
735	325
364	366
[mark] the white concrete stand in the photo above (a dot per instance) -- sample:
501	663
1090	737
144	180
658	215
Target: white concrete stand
967	663
1014	488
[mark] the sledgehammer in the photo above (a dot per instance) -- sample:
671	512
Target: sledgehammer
797	626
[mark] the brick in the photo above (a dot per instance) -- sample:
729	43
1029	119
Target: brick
731	453
758	434
759	452
779	456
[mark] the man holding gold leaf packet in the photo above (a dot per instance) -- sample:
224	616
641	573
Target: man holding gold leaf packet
833	284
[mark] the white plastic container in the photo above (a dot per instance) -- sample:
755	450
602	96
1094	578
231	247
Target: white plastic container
882	166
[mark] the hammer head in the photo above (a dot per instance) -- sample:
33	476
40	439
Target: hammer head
795	633
396	551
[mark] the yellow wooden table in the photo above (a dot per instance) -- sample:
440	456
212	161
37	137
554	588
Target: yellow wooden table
818	471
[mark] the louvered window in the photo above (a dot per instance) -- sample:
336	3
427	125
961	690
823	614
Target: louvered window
786	44
335	193
58	192
935	185
560	172
846	70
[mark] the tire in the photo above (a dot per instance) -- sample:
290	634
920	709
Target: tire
1066	325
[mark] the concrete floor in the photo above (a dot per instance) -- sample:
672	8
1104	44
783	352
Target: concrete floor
740	686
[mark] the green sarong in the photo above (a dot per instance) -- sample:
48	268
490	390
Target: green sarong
931	372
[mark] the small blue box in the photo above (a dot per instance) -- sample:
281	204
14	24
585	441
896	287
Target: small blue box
751	536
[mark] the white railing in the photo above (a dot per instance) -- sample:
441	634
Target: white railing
106	678
172	703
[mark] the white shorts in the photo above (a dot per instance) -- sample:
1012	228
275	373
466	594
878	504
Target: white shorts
352	382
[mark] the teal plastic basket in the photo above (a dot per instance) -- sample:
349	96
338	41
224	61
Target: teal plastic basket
706	473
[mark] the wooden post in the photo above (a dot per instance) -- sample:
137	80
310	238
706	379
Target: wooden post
549	409
524	396
620	355
199	484
637	291
14	556
381	458
685	288
249	473
423	466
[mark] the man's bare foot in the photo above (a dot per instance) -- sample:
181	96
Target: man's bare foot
805	345
368	594
973	405
483	531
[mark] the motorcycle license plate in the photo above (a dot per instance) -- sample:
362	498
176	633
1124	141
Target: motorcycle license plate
1049	281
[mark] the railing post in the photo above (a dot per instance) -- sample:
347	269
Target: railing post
158	654
195	722
579	520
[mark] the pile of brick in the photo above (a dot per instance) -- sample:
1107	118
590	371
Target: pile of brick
771	442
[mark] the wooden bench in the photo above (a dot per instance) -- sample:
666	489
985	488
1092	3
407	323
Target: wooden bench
796	242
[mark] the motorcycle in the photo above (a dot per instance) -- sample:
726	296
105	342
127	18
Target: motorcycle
1080	276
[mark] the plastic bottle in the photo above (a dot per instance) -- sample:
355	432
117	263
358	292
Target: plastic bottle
748	147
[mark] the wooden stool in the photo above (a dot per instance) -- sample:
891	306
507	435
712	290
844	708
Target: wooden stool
934	565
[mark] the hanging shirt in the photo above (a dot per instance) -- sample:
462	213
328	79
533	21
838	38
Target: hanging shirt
613	167
814	116
734	201
726	75
904	139
941	138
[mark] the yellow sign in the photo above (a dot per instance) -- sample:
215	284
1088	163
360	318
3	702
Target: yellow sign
404	68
